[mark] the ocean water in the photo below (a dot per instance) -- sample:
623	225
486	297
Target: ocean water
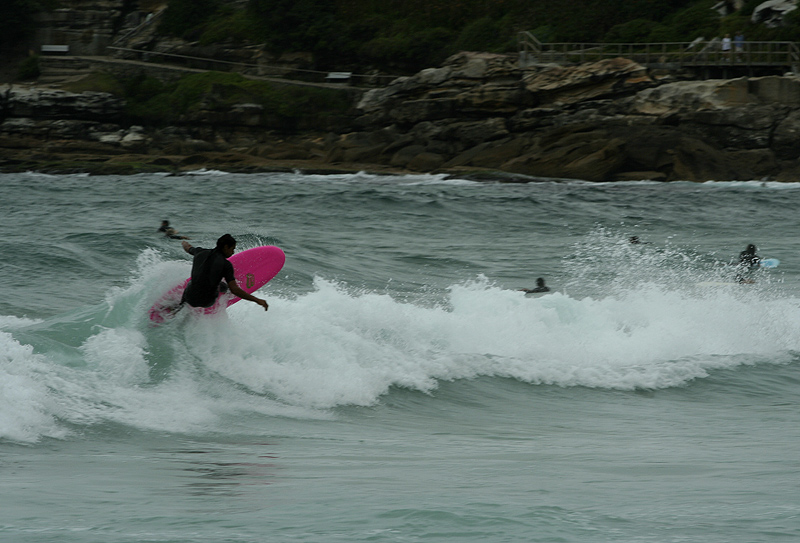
401	388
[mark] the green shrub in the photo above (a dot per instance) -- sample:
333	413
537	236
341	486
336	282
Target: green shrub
29	68
733	23
411	52
97	82
17	21
699	20
636	31
481	35
662	33
289	106
142	87
185	18
792	19
750	6
236	25
545	34
292	25
156	111
404	36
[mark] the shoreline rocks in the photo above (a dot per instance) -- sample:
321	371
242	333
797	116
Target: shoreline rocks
605	121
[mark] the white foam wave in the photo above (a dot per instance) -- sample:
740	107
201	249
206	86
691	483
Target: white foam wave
10	322
204	171
332	347
337	346
755	184
27	408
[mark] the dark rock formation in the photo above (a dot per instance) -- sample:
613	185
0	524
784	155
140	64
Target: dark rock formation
603	121
600	121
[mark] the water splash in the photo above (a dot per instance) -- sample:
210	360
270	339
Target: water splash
631	317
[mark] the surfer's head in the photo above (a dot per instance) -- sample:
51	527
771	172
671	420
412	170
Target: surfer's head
751	249
540	282
226	244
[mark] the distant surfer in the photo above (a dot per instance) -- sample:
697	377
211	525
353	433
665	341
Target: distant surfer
209	268
748	261
170	232
540	287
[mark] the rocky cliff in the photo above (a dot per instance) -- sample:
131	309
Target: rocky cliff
604	121
86	26
609	120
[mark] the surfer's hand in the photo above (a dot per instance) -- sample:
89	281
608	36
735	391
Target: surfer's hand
262	303
186	246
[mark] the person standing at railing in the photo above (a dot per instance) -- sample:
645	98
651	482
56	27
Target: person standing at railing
738	41
726	45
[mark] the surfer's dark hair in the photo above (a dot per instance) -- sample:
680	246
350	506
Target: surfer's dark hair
225	241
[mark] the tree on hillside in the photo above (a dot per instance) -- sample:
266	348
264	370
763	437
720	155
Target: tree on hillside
17	21
185	17
294	24
404	36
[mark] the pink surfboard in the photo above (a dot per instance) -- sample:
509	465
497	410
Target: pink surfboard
252	269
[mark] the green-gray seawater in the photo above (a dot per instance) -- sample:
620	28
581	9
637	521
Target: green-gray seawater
401	388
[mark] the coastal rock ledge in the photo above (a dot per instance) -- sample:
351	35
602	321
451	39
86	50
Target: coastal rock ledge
605	121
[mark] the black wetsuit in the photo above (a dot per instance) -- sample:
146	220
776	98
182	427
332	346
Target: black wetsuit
209	268
169	232
536	290
748	262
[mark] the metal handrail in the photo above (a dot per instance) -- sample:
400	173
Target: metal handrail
528	43
696	53
292	74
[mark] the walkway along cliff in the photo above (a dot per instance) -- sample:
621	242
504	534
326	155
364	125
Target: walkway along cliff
602	121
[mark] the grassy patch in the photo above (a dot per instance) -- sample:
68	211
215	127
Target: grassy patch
97	82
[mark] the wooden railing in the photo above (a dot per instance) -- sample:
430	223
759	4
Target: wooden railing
668	54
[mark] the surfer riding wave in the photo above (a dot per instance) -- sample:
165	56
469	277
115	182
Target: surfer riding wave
209	268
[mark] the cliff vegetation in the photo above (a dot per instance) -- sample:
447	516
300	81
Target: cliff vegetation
151	102
405	36
409	35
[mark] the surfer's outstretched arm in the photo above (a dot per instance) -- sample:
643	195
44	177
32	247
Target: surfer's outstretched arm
237	290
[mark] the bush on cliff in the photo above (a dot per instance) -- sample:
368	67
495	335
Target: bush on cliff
698	20
409	35
485	34
17	20
404	52
231	24
151	102
186	18
97	82
29	68
636	31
